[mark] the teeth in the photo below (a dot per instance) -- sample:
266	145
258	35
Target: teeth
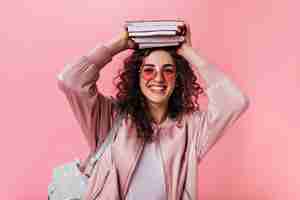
159	87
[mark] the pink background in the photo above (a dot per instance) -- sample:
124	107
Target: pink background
255	42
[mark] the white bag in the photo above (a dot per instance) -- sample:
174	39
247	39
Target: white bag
68	183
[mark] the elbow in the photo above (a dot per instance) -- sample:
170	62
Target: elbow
60	82
63	80
67	79
243	103
246	101
60	78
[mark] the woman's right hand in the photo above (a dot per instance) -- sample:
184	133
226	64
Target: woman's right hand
121	42
127	42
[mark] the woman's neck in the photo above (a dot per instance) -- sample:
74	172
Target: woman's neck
158	111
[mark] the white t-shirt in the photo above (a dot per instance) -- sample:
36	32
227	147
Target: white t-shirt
148	179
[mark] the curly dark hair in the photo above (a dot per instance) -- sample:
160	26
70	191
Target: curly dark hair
131	100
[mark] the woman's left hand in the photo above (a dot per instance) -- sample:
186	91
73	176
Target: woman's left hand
188	41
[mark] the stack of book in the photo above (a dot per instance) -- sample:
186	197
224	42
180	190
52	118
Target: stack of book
156	33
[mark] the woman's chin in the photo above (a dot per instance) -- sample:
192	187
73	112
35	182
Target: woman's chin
157	101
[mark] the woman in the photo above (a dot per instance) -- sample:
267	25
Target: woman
164	135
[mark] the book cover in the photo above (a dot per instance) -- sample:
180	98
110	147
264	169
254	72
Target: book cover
159	39
154	22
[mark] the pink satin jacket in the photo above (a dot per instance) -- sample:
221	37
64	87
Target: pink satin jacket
182	145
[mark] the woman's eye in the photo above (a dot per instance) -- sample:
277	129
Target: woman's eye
169	70
149	70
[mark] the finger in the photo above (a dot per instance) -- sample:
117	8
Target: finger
125	27
187	26
180	19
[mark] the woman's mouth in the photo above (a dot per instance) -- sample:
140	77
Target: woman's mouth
159	89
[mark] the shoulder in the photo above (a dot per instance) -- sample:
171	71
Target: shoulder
195	120
195	115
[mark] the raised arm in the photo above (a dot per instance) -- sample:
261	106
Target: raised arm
226	103
78	80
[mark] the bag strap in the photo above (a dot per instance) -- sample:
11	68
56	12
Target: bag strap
108	140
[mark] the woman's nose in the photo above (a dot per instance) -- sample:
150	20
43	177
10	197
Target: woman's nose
159	76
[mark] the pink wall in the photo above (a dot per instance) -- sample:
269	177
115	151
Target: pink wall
255	42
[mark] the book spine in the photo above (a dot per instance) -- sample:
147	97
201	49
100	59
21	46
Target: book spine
152	28
150	45
152	33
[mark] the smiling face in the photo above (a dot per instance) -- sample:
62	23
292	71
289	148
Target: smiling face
157	77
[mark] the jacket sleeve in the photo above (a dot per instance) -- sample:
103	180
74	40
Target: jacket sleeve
92	110
226	103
